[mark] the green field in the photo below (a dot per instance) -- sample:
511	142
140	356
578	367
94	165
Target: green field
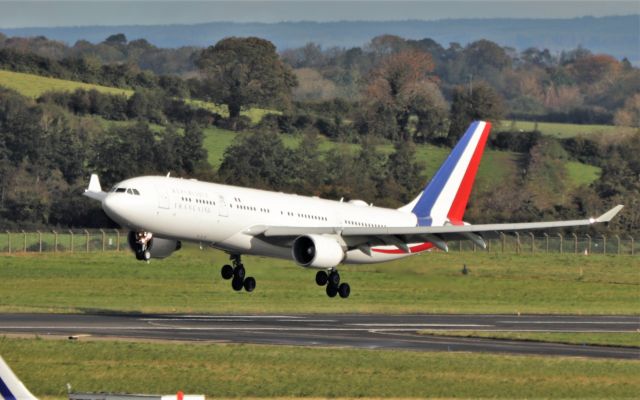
240	371
628	339
189	282
561	130
34	85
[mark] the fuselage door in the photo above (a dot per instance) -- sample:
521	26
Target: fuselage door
163	198
223	209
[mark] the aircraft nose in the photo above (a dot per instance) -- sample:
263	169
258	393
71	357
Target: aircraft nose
113	205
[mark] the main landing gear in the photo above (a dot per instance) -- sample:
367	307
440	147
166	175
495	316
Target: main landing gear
237	275
332	281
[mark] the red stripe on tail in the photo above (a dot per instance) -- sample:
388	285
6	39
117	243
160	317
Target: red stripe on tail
456	212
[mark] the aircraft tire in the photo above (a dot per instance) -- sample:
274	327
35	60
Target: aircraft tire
344	290
332	291
250	284
334	278
226	272
322	278
147	255
239	272
237	284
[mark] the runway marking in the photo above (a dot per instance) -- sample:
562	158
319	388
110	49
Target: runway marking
427	325
572	322
196	319
307	320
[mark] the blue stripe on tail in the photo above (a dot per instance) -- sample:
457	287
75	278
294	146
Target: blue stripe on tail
423	208
5	392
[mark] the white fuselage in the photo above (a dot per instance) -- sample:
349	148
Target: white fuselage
221	215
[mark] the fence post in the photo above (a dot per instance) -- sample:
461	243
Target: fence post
55	241
459	245
604	244
39	241
632	246
561	243
517	242
532	242
488	245
71	239
9	240
546	242
88	239
588	243
575	243
503	240
618	240
24	247
117	240
104	238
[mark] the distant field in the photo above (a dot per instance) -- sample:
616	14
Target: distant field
260	371
189	282
34	85
566	130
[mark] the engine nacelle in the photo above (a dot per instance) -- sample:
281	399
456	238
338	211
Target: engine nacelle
317	251
153	247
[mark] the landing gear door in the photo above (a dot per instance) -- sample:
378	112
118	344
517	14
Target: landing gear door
163	199
223	209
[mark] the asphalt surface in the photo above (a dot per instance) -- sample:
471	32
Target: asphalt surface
330	330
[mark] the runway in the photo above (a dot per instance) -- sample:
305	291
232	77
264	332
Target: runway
337	330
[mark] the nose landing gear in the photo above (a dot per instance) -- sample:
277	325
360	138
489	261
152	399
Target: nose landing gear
237	275
332	282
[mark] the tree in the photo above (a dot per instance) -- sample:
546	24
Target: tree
480	102
400	89
241	72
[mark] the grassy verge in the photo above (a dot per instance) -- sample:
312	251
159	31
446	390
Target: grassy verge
269	371
189	281
628	339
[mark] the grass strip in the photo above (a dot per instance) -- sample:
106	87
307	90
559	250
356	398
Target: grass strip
189	282
240	371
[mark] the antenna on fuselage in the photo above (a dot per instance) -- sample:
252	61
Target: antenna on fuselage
169	174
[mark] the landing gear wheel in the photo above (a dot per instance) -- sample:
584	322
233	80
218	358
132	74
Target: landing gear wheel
226	272
344	290
147	255
239	272
237	284
334	278
332	291
322	278
139	256
249	284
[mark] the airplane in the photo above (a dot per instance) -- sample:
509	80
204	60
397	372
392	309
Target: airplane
320	234
12	388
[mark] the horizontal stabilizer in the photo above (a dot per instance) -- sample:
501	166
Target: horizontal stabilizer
608	216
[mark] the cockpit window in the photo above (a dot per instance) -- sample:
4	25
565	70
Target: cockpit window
129	191
135	191
121	190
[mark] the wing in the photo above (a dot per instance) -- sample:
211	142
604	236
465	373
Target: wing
401	236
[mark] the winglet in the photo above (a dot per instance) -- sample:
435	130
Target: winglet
94	191
10	386
608	216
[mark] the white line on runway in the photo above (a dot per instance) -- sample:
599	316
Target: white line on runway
426	325
572	322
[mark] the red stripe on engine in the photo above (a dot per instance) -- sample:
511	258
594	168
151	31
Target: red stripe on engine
459	205
415	249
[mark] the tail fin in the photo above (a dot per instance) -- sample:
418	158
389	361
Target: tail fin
445	197
11	388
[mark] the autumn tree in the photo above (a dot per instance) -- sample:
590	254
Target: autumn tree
243	72
400	90
479	102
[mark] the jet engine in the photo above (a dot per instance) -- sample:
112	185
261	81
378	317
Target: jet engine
145	246
317	251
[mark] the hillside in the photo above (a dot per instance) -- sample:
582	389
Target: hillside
496	165
615	35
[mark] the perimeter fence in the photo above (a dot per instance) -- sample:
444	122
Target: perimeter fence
91	240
